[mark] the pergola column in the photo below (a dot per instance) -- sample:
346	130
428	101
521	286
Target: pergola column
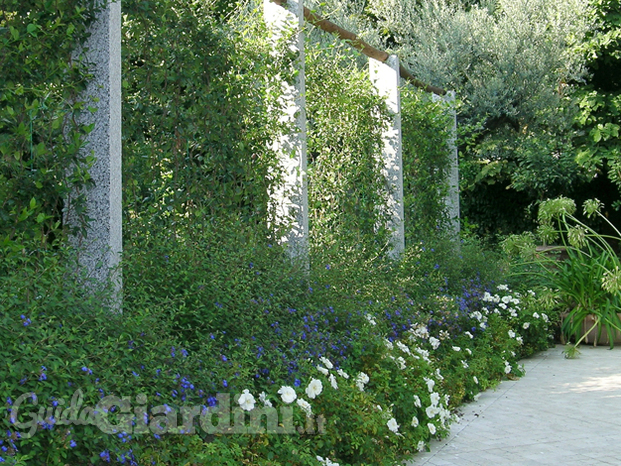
99	252
385	77
290	199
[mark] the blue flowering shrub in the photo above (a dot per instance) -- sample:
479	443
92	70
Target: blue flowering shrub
363	360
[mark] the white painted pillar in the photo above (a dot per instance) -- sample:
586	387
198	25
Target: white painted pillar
290	199
99	252
452	197
385	77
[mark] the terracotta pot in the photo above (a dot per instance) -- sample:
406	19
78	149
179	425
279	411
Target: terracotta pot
603	338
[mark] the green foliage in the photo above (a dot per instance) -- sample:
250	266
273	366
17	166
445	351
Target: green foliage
425	131
587	280
275	326
216	279
346	118
59	340
40	141
196	121
599	99
212	305
512	64
506	60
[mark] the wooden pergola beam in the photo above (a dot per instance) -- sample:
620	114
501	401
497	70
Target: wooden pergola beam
361	45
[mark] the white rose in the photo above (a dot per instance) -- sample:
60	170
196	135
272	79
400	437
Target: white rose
314	388
287	394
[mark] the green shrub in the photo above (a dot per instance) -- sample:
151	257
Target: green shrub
40	140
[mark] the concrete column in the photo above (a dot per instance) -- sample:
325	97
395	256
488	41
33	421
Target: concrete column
385	77
290	199
452	197
99	252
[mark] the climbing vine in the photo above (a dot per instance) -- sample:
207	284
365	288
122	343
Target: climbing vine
40	140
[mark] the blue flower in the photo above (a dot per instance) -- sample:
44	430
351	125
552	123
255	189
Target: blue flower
72	444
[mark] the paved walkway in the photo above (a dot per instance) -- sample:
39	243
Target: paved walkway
563	412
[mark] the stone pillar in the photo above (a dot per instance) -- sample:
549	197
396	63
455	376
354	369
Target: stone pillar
99	252
452	197
290	199
385	77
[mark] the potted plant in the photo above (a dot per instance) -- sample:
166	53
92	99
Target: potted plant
587	280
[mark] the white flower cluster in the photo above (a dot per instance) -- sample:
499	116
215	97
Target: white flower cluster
263	399
361	380
420	331
246	400
288	395
423	353
326	461
392	425
326	371
479	317
370	319
403	347
436	408
314	388
305	406
507	303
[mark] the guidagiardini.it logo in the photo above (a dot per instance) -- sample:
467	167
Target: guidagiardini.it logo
114	415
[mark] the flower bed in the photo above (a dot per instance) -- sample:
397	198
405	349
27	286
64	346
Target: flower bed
338	379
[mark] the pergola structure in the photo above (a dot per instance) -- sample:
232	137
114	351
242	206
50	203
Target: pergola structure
99	252
291	200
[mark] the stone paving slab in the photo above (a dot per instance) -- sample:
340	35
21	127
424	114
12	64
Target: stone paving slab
563	412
